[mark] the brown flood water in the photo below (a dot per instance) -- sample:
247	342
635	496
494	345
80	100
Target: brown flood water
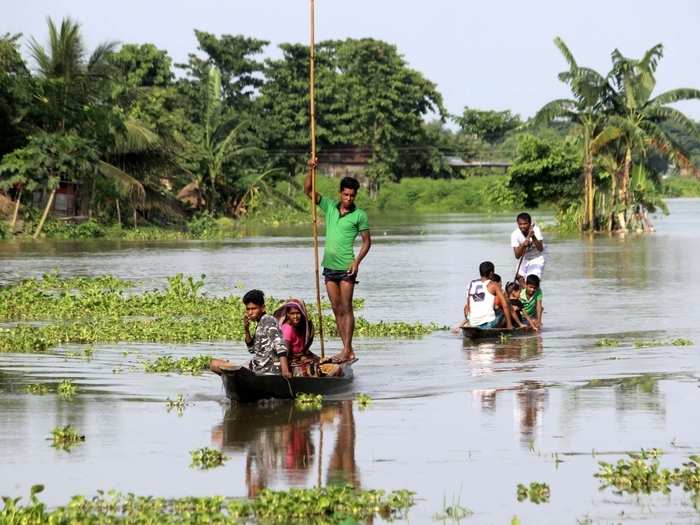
453	421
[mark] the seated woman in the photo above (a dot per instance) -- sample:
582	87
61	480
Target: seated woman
298	332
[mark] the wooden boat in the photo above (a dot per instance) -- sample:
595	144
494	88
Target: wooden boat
472	332
244	386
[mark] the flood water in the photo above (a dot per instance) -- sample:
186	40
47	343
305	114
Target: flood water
456	422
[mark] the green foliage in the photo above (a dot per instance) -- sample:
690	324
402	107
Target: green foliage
185	365
545	171
206	458
39	389
536	492
67	389
681	187
178	404
333	505
642	473
142	65
65	437
363	401
490	126
89	229
308	401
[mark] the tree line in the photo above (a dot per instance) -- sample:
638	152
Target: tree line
148	139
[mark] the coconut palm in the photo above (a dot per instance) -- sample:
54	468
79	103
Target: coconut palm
638	116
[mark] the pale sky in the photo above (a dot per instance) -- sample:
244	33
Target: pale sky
488	55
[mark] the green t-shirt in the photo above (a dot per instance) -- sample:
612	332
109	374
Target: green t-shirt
530	303
341	233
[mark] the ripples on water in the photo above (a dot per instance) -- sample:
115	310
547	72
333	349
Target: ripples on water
450	420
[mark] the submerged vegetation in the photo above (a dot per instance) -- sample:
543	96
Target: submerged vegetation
66	389
185	365
329	505
536	492
308	401
363	401
105	309
37	389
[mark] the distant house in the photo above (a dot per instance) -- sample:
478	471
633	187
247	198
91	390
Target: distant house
67	203
345	161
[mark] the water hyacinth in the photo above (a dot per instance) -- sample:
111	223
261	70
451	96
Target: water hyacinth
37	389
308	401
65	437
104	310
327	505
206	458
185	365
536	492
67	389
363	401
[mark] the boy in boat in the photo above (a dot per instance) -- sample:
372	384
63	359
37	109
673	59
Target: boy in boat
517	312
267	345
481	296
344	221
527	243
531	297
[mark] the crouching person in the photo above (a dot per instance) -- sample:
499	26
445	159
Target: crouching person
267	344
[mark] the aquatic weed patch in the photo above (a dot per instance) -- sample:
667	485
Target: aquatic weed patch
206	458
308	401
642	473
98	310
363	401
39	389
185	365
536	492
66	389
329	505
178	404
65	437
607	342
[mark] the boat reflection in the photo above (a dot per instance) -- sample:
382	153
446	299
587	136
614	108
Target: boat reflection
284	445
518	354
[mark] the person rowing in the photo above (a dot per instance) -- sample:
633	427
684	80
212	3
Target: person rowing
528	247
344	221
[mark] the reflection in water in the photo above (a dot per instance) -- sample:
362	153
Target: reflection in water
519	355
282	441
639	392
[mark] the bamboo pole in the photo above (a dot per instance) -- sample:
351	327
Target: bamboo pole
312	165
14	215
46	213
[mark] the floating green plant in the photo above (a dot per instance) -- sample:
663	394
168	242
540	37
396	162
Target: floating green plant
67	389
308	401
65	437
681	342
536	492
185	365
178	404
453	512
328	505
608	342
643	473
39	389
363	401
206	458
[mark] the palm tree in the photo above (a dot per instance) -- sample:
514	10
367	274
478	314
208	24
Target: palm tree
588	111
638	116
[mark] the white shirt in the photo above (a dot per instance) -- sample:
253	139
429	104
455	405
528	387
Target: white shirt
531	252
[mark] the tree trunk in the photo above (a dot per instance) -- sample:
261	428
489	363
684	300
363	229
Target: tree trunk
119	213
588	193
14	215
624	188
135	223
44	215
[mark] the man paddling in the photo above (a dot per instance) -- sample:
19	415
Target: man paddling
528	244
344	221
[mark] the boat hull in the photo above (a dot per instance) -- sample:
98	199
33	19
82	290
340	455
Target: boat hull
472	332
243	386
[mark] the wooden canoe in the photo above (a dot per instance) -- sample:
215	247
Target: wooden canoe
244	386
472	332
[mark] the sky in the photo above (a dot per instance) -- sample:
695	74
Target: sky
487	55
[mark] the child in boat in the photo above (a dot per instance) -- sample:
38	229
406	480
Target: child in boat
298	332
267	345
519	315
531	297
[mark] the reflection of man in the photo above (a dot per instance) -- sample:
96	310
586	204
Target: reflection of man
344	221
527	242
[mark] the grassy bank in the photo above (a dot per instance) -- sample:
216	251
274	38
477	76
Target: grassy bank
681	187
287	204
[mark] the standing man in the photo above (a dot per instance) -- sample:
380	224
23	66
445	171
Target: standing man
344	221
528	243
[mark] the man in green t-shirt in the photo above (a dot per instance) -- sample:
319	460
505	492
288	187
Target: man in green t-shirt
344	221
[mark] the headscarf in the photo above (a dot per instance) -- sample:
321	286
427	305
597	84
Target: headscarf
281	316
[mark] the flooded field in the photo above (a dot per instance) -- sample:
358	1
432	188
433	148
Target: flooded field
456	422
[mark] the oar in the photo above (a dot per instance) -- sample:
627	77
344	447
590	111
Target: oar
312	166
518	268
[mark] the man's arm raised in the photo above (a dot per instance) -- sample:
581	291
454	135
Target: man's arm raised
307	181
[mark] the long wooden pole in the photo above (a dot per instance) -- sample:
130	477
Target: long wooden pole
312	164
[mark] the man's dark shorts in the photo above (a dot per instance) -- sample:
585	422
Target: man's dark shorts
336	276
